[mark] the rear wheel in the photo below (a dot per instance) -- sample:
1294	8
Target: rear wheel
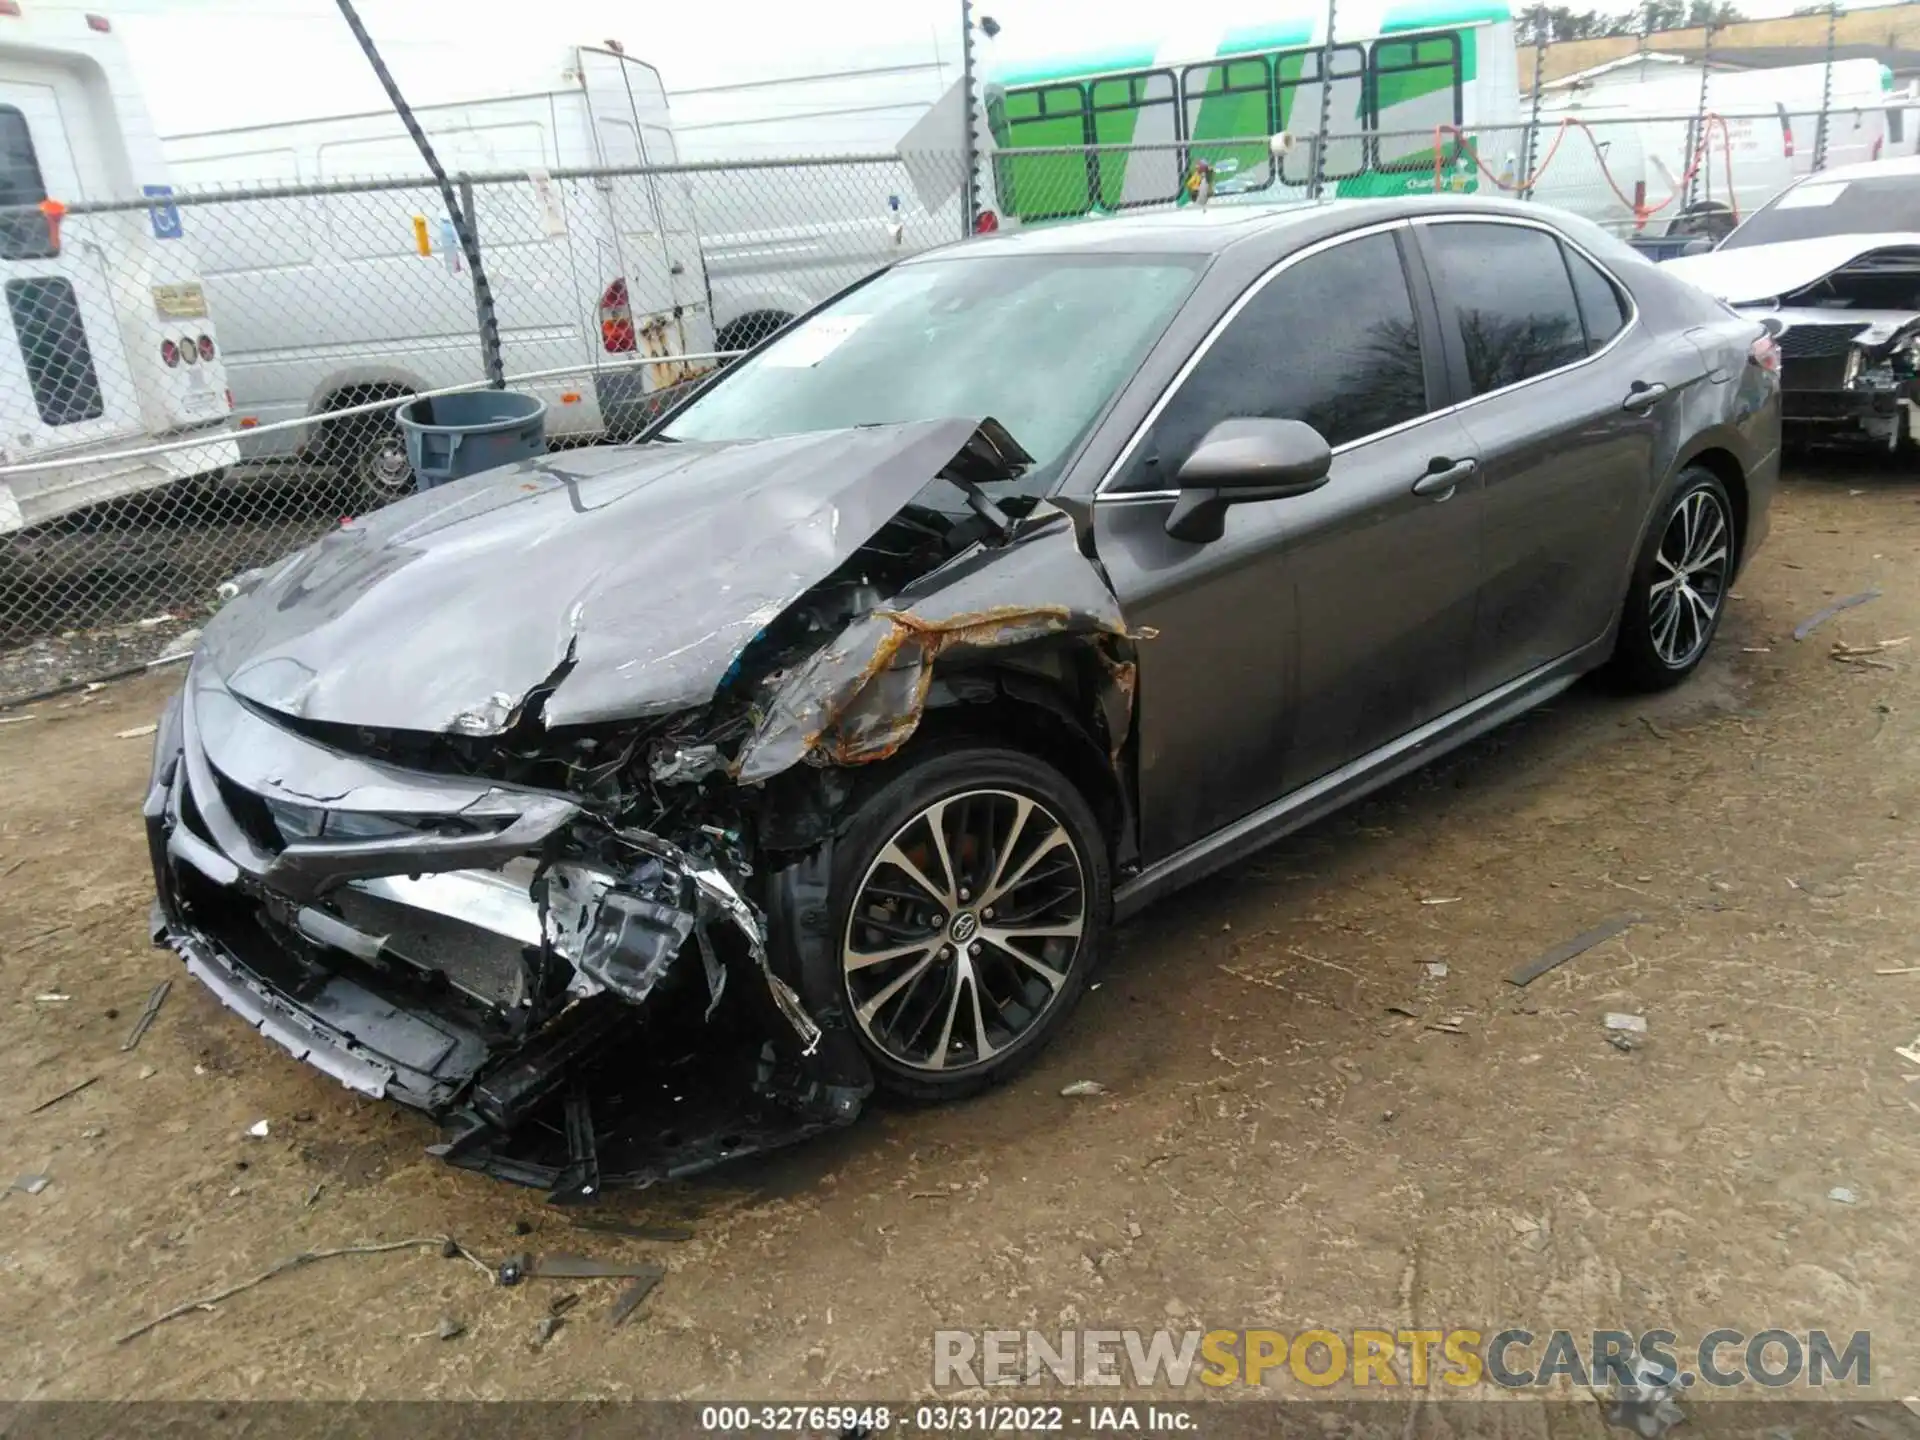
1679	587
972	895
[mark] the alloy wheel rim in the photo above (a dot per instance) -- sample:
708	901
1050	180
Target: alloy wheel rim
1690	582
964	929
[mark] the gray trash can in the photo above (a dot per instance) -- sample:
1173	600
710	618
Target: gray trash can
455	436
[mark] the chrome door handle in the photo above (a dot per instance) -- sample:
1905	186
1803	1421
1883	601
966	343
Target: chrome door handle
1643	397
1442	476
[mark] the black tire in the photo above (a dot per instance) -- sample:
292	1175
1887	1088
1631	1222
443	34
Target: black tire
875	906
370	452
749	330
1666	623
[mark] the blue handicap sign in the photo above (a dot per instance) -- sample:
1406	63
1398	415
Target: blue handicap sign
165	218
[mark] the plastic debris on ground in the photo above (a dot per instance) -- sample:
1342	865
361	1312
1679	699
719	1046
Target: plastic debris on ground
1081	1088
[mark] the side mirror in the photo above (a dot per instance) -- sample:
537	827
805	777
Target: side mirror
1699	245
1238	461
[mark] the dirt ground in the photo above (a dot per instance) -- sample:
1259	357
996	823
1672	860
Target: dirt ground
1279	1145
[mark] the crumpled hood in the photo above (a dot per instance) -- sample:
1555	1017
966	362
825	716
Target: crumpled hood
1764	272
649	567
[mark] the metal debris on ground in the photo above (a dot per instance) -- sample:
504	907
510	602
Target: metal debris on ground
1436	969
512	1270
296	1262
258	1130
1842	1195
1083	1087
135	733
548	1327
32	1184
632	1231
1820	617
1633	1024
1567	949
1620	1043
561	1304
1449	1026
155	999
71	1090
450	1328
631	1297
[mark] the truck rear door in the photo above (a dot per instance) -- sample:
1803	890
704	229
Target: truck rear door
651	216
64	376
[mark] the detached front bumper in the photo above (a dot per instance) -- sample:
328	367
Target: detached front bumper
407	939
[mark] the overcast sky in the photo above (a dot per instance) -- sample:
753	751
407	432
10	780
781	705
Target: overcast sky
214	64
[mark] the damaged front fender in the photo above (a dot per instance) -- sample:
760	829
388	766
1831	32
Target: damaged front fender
861	697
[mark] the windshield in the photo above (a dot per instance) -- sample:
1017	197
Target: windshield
1816	208
1038	342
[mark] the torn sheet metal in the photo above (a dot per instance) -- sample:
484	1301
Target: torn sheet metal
718	896
860	698
652	566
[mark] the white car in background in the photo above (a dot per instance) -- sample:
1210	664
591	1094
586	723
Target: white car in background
1833	263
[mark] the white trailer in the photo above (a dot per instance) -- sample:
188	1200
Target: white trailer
106	340
329	303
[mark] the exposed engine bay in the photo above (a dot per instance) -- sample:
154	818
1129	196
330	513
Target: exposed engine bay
597	947
1850	350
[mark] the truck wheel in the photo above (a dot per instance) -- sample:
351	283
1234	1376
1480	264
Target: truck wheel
372	454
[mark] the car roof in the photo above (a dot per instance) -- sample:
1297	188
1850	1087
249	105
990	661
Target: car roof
1222	226
1904	167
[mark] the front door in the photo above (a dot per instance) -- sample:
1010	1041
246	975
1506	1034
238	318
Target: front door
1320	627
65	380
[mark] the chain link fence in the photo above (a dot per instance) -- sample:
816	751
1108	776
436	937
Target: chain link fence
194	388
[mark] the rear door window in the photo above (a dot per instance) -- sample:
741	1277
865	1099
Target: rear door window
53	342
22	237
1506	290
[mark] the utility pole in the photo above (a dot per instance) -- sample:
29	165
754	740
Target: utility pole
462	221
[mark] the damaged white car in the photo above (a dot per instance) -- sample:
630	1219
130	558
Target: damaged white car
1832	265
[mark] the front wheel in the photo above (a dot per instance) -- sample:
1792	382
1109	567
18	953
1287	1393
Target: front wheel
371	452
973	891
1679	587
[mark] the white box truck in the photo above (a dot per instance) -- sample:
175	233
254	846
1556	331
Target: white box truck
327	301
106	340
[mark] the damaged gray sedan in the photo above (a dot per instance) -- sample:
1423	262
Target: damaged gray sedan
638	807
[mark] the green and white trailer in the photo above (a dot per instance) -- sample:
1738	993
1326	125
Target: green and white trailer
1241	74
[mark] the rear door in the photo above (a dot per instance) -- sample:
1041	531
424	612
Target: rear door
1565	393
652	216
65	379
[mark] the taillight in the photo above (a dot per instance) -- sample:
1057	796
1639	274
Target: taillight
189	352
1766	354
616	319
985	223
170	353
206	347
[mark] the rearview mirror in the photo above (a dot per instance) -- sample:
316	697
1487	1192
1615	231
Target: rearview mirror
1238	461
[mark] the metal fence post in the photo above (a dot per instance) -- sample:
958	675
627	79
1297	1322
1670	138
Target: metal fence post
969	143
1541	29
1326	107
462	219
1700	120
1826	92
